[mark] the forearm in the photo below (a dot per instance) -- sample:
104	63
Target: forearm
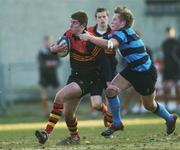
98	41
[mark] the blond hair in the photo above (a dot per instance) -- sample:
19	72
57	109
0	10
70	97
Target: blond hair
125	14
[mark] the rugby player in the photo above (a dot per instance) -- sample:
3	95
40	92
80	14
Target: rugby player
139	72
100	29
84	78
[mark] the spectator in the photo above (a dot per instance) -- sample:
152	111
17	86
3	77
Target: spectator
48	64
171	69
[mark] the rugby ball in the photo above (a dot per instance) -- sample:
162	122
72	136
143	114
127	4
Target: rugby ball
64	39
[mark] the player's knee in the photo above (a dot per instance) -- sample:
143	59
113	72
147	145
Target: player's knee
110	93
112	90
149	106
59	97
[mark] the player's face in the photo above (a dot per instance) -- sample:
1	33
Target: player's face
102	19
75	27
117	23
171	33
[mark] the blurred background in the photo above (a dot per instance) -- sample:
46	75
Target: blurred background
23	25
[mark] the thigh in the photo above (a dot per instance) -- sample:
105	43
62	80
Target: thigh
69	92
120	82
117	85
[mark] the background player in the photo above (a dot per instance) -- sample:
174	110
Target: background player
171	75
100	29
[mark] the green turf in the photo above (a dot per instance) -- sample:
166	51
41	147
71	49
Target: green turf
133	137
32	112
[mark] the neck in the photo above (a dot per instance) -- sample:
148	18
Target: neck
79	32
102	28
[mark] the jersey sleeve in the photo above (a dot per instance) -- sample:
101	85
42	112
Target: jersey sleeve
107	36
119	36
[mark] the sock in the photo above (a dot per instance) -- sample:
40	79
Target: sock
72	127
103	108
114	104
54	117
163	113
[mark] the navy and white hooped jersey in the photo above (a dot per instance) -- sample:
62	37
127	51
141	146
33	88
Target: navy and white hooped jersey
132	49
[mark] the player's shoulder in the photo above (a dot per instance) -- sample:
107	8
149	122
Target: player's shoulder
90	29
119	33
123	34
68	33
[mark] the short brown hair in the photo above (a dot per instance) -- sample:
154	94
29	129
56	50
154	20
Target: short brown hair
101	9
125	14
81	17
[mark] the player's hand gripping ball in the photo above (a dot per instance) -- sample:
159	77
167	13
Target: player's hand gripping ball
64	40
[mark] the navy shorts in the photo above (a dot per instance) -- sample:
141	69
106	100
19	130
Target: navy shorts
89	83
143	82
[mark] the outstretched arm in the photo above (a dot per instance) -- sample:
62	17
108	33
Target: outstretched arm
104	43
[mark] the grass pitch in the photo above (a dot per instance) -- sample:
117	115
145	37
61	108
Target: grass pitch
145	134
142	132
